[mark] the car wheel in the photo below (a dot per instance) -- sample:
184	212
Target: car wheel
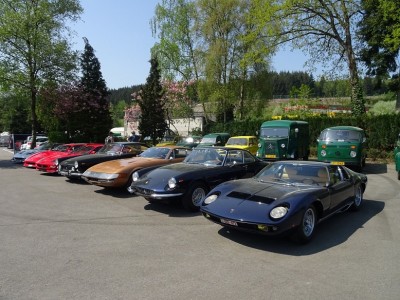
307	226
398	175
193	197
358	199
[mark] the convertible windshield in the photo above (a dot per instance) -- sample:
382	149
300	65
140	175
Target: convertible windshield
155	152
274	132
206	156
340	135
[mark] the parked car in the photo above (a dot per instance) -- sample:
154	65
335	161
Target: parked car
39	140
118	173
246	142
20	156
4	140
397	157
76	166
49	164
190	180
189	141
343	145
284	139
214	139
286	197
30	161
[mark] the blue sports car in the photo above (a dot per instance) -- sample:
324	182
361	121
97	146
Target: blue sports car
189	181
285	197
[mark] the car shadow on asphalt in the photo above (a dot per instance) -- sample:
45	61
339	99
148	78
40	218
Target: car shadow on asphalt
375	168
330	233
173	209
8	164
116	193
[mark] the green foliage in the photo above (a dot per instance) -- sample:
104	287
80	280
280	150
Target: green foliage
383	108
34	48
98	121
152	122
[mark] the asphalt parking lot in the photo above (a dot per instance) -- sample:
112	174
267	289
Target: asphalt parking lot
71	240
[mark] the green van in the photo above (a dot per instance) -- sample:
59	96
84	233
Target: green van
342	145
397	157
215	139
284	139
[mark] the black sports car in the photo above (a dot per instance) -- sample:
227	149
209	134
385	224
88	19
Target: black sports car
285	197
190	180
76	166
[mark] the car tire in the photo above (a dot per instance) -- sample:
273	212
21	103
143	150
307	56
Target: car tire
306	229
358	199
398	175
191	201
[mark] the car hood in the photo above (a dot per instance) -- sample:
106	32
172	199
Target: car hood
251	200
115	166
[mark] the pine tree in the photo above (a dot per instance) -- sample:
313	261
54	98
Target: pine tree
153	117
97	117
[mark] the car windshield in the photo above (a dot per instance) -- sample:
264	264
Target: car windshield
274	132
208	140
62	148
237	141
340	135
294	173
189	140
111	149
155	152
207	156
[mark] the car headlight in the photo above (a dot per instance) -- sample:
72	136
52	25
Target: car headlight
259	145
172	183
211	199
323	153
135	176
278	212
353	153
76	165
283	145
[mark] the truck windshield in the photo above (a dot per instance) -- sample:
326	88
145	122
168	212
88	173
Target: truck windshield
274	132
340	135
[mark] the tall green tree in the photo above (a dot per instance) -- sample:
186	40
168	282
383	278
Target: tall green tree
34	46
98	116
380	29
152	122
326	29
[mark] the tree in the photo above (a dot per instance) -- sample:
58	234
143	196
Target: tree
152	122
34	47
99	121
380	29
326	29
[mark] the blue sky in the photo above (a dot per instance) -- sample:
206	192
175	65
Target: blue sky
119	32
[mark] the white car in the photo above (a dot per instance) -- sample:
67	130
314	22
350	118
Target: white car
39	140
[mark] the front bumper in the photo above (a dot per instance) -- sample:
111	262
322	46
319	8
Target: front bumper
155	195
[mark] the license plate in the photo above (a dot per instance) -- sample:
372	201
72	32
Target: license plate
337	163
270	156
229	222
